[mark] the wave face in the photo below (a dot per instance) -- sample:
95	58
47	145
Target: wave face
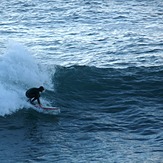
117	109
106	88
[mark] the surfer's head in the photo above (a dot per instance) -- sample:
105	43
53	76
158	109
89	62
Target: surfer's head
41	89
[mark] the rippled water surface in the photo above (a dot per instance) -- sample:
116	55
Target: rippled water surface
101	64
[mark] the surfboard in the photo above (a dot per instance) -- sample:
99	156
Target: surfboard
47	109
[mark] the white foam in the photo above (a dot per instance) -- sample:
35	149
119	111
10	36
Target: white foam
19	71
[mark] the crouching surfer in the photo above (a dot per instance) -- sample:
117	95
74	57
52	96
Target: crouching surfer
34	94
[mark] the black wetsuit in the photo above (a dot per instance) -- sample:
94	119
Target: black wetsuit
33	94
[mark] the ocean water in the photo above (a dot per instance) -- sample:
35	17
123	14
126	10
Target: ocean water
101	63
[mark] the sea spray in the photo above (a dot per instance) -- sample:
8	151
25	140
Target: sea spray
19	71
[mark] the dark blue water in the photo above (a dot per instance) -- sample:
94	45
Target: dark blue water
107	115
101	64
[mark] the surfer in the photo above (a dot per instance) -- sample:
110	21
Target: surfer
34	94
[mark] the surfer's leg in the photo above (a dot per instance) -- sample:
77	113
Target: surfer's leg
29	100
32	100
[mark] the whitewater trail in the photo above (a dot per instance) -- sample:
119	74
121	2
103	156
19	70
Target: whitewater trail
19	71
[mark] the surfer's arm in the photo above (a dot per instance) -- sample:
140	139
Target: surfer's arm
38	100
